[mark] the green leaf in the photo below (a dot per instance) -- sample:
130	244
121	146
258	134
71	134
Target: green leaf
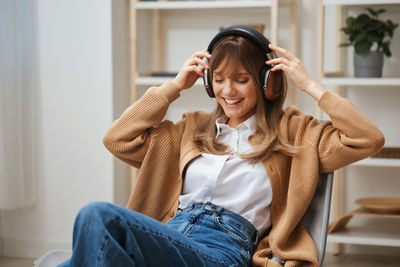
360	37
390	33
391	25
372	12
349	22
386	50
361	22
382	10
375	13
377	24
375	37
362	47
346	31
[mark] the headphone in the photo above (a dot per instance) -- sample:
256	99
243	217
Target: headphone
271	81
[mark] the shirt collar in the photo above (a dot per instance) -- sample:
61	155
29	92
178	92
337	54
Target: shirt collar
250	124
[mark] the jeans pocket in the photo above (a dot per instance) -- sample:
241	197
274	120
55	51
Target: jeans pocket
238	235
234	229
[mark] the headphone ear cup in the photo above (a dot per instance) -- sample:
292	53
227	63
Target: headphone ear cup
207	81
263	76
274	84
208	84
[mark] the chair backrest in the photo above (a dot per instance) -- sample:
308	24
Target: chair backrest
316	218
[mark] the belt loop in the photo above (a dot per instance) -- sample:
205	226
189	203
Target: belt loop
219	210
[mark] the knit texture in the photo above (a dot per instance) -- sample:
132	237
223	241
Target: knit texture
162	149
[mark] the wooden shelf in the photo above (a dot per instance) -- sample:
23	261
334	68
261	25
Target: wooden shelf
367	235
378	162
347	81
142	5
360	2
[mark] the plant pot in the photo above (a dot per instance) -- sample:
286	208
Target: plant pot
369	64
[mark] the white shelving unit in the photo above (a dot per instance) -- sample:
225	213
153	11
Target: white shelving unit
142	5
359	2
376	235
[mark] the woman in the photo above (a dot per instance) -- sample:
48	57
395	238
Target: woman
226	188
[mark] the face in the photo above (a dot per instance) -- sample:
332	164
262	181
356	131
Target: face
235	93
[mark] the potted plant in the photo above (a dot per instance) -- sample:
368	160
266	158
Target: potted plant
370	37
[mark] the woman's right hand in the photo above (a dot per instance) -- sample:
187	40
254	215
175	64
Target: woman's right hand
190	71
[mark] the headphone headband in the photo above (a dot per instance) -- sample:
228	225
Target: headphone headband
259	39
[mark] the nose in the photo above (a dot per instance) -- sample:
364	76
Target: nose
228	88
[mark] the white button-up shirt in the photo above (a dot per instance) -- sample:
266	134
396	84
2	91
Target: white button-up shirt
228	180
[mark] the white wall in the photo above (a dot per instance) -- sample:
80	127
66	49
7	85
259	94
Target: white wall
78	75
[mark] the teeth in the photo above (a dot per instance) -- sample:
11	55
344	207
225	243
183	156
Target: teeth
232	101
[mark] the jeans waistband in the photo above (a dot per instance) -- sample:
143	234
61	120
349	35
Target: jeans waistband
247	226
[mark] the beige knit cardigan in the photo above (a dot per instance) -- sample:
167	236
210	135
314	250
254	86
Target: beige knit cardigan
162	149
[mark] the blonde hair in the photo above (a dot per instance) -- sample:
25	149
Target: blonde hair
238	51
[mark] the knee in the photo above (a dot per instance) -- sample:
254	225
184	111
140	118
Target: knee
94	211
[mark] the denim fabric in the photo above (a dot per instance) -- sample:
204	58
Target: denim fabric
200	235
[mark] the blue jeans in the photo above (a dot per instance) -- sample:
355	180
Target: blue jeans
201	235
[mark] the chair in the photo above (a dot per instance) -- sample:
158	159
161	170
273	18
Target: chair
315	220
53	258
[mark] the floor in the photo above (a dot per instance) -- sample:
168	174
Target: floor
330	261
16	262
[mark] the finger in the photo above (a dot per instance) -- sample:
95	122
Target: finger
280	60
201	54
282	51
196	70
197	61
280	67
192	61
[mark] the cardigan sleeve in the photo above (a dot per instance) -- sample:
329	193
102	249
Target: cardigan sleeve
129	137
349	136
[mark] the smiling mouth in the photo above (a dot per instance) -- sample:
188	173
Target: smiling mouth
232	101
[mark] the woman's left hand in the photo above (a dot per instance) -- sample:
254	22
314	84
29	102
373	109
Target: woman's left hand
294	68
